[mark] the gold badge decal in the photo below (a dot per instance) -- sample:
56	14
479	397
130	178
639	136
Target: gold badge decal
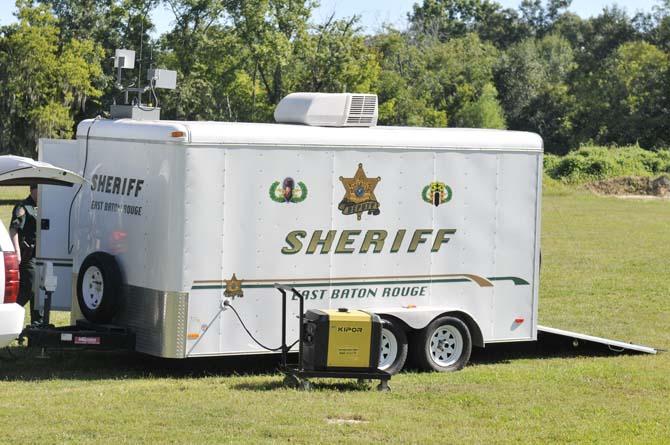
359	194
233	288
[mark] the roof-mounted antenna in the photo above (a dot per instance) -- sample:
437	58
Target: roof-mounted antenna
158	78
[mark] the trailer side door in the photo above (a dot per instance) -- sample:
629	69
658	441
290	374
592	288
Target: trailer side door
53	220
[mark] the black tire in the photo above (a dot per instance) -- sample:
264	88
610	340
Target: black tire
390	328
429	356
101	269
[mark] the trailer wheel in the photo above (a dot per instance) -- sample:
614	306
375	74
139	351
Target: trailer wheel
98	287
444	345
393	348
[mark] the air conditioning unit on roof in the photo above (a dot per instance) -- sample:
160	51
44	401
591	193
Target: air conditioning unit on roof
328	109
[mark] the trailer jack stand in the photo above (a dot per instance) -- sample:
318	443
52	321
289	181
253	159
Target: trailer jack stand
384	386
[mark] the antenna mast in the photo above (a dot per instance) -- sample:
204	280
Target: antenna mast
124	59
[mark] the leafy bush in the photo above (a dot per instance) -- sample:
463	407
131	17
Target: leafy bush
596	163
551	161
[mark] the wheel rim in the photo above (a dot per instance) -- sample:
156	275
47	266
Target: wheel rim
446	345
388	351
93	287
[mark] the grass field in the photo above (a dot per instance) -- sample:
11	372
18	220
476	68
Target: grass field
605	272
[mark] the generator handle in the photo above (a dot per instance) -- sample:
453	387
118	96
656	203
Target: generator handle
282	288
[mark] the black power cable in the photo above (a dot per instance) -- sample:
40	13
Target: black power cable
83	174
227	304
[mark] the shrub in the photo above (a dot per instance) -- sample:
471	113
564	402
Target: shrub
596	163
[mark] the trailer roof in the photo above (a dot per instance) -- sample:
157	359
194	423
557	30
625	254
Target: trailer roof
284	135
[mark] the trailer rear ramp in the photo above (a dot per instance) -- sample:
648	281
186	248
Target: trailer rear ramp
614	345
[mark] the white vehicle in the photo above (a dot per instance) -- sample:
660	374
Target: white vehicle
15	170
11	314
435	230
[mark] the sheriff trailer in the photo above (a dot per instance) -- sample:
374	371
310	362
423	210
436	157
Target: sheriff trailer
437	231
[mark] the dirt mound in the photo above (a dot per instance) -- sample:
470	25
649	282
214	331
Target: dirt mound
632	185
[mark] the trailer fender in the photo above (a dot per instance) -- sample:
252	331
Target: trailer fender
418	318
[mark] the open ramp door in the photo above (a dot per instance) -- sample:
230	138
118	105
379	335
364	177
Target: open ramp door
613	345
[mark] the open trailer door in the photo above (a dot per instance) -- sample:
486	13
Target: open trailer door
54	213
55	188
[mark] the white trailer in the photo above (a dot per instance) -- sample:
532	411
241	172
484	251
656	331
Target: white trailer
435	230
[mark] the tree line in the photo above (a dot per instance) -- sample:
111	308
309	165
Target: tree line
459	63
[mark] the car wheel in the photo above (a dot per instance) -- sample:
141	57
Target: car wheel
98	287
393	348
444	345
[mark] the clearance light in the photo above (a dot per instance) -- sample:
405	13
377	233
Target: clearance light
178	134
519	320
193	336
410	306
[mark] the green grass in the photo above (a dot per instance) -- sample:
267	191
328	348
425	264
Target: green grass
9	196
604	272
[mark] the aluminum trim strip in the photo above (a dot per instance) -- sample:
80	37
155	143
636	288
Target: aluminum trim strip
314	147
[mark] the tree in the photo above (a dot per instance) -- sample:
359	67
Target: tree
459	63
431	83
402	100
656	26
446	19
273	32
483	112
209	59
335	58
595	39
213	79
540	19
111	24
236	60
43	84
533	79
634	97
193	21
457	72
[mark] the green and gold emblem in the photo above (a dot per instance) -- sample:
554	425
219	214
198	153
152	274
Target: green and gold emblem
288	191
436	193
359	194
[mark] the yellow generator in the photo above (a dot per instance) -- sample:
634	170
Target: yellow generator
341	340
332	344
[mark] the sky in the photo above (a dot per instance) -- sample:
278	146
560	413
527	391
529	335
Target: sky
374	13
